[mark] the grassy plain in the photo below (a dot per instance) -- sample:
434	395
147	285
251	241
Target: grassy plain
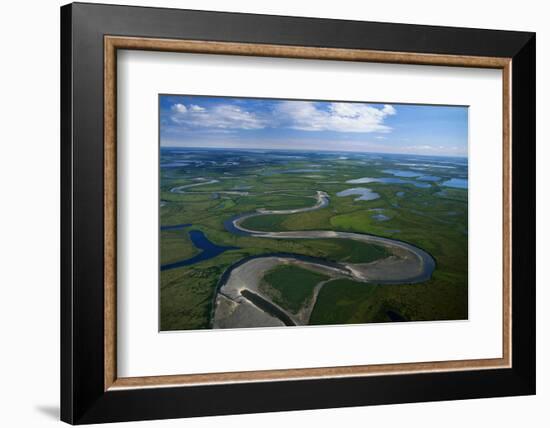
434	218
291	286
175	245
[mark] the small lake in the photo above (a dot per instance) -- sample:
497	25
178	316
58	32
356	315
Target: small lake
429	178
389	180
175	164
380	217
457	183
208	249
401	173
364	194
428	165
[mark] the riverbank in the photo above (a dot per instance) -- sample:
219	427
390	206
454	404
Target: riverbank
232	309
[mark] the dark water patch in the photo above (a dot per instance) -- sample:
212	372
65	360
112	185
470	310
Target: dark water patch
395	317
230	227
209	250
175	226
268	307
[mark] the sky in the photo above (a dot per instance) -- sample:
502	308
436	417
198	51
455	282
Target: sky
255	123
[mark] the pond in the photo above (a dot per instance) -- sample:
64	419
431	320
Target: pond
364	193
388	180
401	173
457	183
429	178
380	217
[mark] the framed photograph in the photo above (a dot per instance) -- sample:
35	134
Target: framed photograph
266	213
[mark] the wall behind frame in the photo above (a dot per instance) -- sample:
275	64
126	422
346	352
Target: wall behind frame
29	226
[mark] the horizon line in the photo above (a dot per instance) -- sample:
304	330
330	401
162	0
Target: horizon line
310	150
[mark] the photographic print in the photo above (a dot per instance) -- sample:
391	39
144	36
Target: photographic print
280	212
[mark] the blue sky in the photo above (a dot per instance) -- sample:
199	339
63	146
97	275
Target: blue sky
201	121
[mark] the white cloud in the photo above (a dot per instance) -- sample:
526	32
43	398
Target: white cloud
338	117
195	108
223	116
179	108
388	109
299	115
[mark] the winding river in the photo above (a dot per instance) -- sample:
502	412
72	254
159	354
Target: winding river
239	302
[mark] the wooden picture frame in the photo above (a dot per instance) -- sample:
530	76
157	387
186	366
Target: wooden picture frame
91	390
